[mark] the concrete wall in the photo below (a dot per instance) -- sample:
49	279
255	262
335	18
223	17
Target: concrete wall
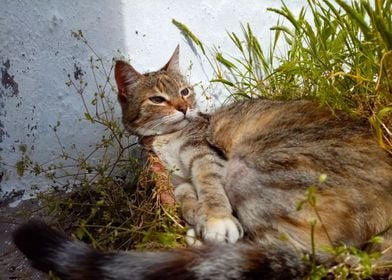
37	52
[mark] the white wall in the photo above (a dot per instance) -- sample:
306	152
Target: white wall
37	52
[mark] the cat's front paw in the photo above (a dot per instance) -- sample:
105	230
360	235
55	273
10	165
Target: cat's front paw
219	229
191	238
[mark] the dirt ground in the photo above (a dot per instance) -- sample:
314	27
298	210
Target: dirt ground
13	265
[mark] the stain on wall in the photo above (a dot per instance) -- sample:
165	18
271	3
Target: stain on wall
9	88
8	81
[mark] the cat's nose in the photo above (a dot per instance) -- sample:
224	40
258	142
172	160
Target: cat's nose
182	108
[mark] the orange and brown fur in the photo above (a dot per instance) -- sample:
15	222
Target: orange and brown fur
266	154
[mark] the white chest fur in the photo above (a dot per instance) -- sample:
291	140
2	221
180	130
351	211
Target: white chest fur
167	147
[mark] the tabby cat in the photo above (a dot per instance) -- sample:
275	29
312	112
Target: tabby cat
251	161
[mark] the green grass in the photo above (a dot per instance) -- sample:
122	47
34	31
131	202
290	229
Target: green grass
342	57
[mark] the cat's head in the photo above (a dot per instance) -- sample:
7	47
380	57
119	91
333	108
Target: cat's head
157	102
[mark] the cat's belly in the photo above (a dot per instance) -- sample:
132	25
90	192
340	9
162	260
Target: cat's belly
167	147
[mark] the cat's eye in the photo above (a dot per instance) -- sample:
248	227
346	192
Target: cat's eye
157	99
184	92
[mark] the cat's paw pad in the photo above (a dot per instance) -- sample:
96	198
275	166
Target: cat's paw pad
191	238
226	229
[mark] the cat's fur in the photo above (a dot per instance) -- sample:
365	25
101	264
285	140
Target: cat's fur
270	152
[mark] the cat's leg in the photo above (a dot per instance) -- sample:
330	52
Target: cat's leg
214	220
186	197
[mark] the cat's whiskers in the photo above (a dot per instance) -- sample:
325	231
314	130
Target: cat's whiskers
166	120
156	123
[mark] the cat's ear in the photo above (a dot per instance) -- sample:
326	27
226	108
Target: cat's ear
174	62
125	75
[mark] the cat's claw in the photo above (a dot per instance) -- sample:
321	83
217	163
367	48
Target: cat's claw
226	229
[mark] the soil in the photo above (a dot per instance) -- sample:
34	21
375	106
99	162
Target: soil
13	265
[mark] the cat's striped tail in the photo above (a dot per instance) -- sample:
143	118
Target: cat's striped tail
51	250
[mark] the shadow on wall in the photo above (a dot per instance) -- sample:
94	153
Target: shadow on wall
37	52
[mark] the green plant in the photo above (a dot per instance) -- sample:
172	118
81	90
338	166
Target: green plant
337	53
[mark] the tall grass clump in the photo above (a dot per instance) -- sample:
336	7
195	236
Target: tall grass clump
336	52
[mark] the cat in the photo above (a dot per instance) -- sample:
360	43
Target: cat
271	152
160	108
